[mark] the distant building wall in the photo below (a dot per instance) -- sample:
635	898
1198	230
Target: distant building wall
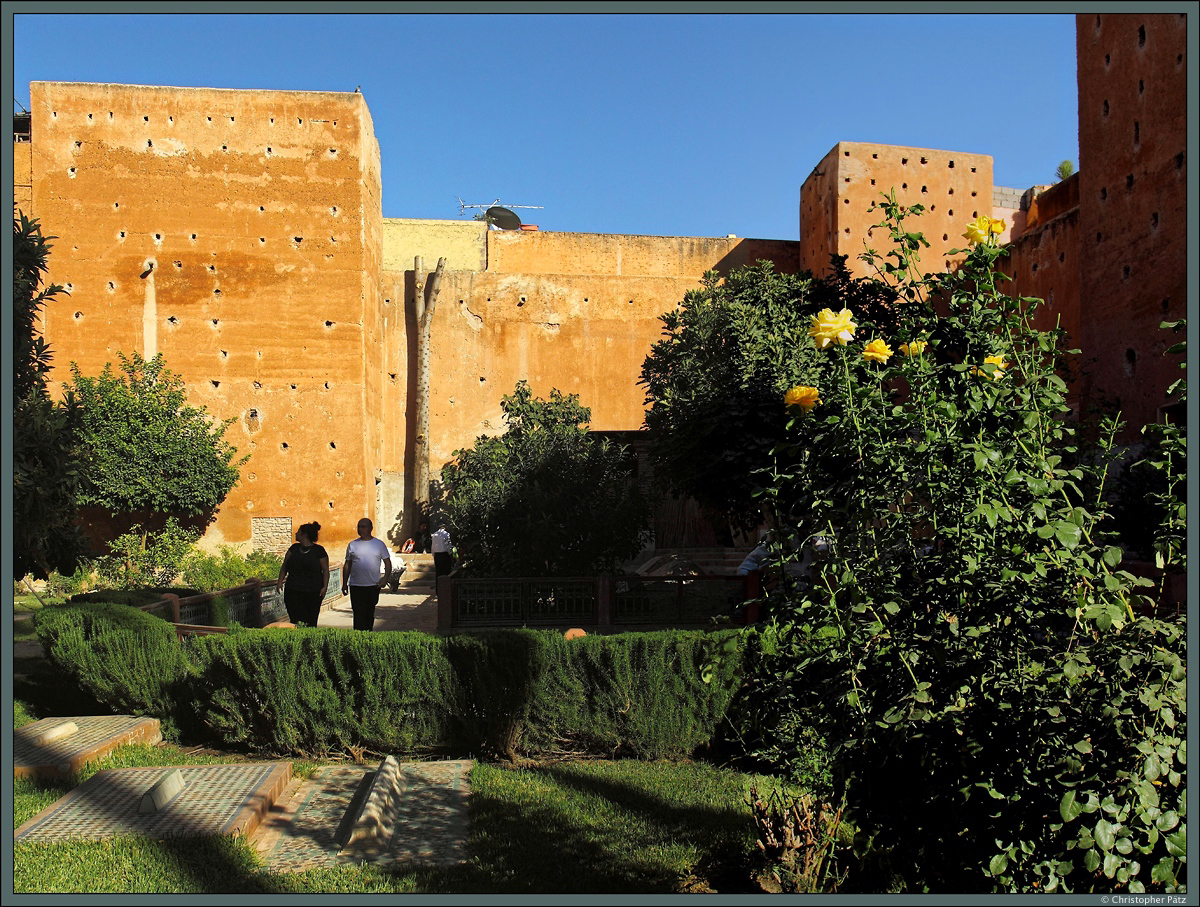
236	232
838	201
1132	205
577	312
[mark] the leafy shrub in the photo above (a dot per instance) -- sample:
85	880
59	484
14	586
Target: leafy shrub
64	587
228	568
997	712
141	559
128	661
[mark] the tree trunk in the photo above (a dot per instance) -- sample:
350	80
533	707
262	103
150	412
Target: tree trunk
425	301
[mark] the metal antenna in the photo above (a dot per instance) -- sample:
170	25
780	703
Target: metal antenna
495	214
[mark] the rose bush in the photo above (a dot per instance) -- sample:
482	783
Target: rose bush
1000	714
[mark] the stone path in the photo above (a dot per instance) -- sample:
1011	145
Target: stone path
306	829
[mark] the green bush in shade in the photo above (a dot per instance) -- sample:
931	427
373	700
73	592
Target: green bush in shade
127	660
311	691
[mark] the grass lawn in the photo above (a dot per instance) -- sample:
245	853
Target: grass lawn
568	827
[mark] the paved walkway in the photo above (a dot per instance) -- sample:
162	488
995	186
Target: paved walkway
414	607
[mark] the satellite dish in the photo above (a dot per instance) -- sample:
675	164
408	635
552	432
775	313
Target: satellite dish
503	218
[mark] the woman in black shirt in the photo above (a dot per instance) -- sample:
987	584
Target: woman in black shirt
306	572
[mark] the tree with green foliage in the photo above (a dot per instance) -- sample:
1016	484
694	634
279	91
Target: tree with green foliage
714	381
1064	170
148	451
1000	712
45	458
544	498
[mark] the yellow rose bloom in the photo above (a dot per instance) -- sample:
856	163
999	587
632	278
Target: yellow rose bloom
804	397
996	226
978	229
993	367
915	348
877	351
829	328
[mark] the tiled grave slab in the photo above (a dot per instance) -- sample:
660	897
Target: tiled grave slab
49	748
214	800
429	811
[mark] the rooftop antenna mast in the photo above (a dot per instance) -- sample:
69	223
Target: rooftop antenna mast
503	218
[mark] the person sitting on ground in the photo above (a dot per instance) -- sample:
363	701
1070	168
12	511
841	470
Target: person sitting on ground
422	542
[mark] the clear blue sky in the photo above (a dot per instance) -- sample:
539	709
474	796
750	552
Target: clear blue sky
697	125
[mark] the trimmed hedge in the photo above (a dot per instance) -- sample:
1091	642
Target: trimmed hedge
126	659
313	691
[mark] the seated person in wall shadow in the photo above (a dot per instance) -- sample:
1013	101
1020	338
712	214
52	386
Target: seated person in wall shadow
421	542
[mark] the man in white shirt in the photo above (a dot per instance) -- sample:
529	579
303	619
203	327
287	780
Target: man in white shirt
443	558
367	569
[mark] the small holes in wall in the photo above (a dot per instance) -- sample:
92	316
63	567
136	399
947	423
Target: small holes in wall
950	192
328	324
177	264
950	213
482	379
1141	86
209	119
391	376
1107	60
933	207
847	179
872	182
173	320
333	239
1104	108
333	152
262	239
333	209
215	321
332	446
158	237
170	119
111	286
269	152
89	116
1099	236
1165	305
1034	267
224	353
215	383
903	161
1154	221
904	185
1141	36
1125	272
974	214
192	237
231	119
522	299
116	205
257	386
1128	181
1179	161
292	386
923	161
211	267
224	147
79	144
78	315
972	170
845	201
1137	133
945	236
950	165
1103	193
283	446
1130	363
216	291
1061	256
326	385
846	153
585	299
330	505
847	231
875	156
121	235
69	288
924	189
297	239
71	172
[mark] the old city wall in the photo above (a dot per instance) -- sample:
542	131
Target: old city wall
1132	205
838	201
236	233
576	312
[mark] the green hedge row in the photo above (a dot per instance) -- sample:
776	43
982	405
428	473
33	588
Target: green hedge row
313	691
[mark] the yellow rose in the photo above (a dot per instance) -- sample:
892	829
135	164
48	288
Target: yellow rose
996	226
829	328
877	350
996	369
802	396
915	348
978	229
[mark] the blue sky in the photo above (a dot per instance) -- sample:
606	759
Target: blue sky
698	125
